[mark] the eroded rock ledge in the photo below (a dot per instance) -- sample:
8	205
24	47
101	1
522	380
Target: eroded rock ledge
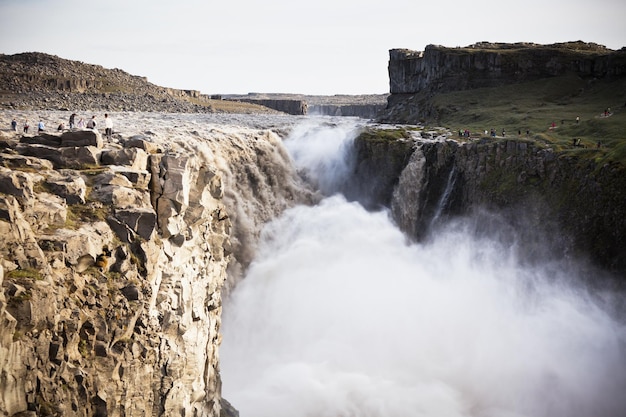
113	256
571	206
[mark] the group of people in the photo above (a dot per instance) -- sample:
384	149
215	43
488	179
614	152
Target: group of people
91	124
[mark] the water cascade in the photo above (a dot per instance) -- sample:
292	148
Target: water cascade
339	315
444	199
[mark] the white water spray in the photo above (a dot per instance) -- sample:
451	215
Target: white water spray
320	149
339	316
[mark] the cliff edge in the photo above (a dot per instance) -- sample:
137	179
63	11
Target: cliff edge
416	77
114	256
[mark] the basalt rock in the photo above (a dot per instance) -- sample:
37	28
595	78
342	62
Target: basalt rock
104	311
415	77
569	206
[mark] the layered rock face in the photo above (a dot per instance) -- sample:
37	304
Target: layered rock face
294	107
415	77
567	206
365	111
113	257
442	69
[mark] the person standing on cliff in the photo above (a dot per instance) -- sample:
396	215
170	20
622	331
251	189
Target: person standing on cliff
108	126
91	124
72	120
14	125
41	127
26	126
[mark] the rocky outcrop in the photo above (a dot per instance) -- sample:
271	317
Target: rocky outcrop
33	80
416	76
112	266
366	106
442	69
365	111
294	107
559	202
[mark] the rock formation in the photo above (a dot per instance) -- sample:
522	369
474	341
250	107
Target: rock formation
365	111
113	258
33	80
415	76
572	206
294	107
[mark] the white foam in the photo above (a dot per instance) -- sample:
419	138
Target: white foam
340	316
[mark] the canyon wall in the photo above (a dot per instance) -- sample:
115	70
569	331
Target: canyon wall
113	260
442	69
294	107
565	204
364	111
416	77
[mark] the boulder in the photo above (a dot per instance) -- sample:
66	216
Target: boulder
19	161
16	183
77	138
110	177
46	210
17	240
143	143
72	158
120	197
86	243
66	184
141	221
138	178
42	139
132	157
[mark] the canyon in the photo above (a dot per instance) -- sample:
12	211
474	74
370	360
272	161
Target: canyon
117	255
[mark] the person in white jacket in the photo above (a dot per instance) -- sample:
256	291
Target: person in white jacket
108	126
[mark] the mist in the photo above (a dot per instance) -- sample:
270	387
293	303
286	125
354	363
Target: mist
339	315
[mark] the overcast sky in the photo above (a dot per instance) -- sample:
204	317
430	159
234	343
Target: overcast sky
287	46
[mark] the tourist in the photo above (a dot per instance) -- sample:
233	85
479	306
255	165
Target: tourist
72	120
108	126
61	127
26	126
41	126
577	119
14	125
81	123
91	124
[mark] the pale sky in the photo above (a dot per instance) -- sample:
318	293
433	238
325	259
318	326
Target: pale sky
287	46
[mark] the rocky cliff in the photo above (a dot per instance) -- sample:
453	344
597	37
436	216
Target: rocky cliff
557	202
365	111
294	107
113	259
34	80
442	69
416	76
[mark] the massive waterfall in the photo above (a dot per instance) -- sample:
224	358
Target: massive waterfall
340	315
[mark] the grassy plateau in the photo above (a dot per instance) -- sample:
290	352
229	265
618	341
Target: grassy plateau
548	110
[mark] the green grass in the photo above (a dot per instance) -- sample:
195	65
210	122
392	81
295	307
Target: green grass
384	135
535	105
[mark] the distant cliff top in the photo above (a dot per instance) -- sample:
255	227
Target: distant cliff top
574	47
35	80
486	64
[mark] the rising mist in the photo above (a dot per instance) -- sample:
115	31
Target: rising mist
340	316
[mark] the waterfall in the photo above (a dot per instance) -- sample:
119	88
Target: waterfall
445	197
339	316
